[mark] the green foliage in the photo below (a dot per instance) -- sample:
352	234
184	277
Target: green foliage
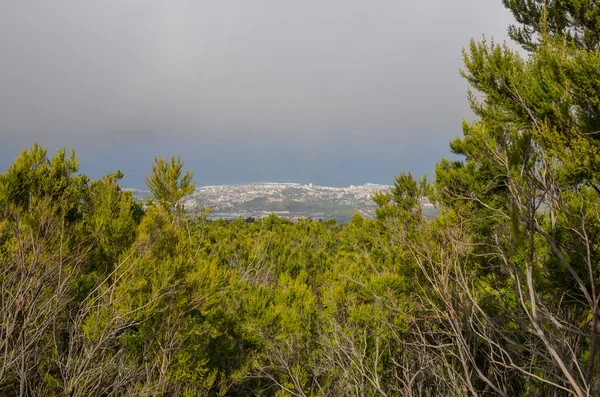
34	176
168	184
576	20
498	295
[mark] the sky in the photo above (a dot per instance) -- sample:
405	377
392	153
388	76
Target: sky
331	92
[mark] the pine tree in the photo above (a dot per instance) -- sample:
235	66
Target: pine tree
169	184
576	20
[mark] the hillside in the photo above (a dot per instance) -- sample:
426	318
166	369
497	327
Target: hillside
287	200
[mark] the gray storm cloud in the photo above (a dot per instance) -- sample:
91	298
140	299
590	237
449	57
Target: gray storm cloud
92	67
307	72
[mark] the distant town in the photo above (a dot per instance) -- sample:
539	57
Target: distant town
287	200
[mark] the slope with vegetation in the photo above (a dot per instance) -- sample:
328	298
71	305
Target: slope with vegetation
497	296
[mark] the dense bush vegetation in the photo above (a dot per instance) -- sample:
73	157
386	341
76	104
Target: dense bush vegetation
498	295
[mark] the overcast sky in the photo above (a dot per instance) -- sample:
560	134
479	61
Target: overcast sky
332	92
